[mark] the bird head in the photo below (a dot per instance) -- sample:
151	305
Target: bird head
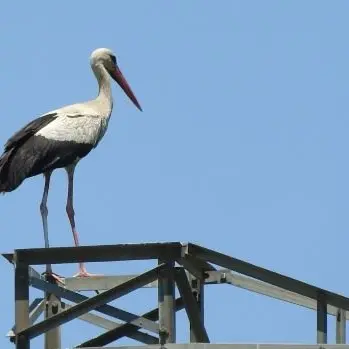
105	57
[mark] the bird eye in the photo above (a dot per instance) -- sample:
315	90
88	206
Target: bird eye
113	58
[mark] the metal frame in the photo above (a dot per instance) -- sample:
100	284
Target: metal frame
190	267
233	346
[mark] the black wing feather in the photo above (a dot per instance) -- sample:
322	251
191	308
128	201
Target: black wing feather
29	130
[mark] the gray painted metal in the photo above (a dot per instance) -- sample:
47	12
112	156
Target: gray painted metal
226	276
268	276
340	327
105	309
197	288
109	325
235	346
191	306
321	319
197	262
21	304
214	277
166	300
35	310
101	253
100	283
53	306
195	259
93	302
126	329
193	268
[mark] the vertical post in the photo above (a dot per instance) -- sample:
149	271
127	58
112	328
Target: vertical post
197	287
21	303
341	326
166	299
52	307
321	319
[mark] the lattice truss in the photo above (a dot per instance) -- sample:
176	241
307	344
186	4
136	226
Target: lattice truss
188	267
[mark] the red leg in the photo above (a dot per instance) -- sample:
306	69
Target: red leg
70	212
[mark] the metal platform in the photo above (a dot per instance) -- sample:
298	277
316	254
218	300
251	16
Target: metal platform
187	266
234	346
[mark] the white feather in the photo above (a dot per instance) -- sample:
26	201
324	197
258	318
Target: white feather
79	129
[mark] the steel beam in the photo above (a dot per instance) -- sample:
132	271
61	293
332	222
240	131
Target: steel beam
200	263
193	268
8	256
21	305
321	319
197	288
52	307
341	326
226	276
197	263
100	283
93	302
191	306
166	299
104	309
109	325
268	276
231	346
101	253
35	309
125	329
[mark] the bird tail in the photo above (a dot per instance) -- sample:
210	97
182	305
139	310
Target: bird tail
10	175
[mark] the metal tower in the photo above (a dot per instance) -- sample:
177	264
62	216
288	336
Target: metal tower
188	267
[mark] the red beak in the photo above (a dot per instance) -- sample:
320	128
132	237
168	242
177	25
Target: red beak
119	78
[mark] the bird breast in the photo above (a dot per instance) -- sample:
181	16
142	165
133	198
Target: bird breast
76	128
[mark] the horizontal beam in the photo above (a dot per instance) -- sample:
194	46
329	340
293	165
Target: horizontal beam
126	329
100	282
101	253
105	309
225	276
268	276
8	257
232	346
92	303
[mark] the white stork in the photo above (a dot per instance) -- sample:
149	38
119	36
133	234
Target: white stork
60	138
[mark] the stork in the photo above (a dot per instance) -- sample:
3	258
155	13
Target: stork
60	139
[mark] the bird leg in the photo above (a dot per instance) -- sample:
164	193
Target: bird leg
44	214
70	212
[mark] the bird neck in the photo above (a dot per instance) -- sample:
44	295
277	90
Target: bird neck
104	94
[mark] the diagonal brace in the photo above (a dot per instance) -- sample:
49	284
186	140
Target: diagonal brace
191	306
189	264
105	309
126	329
110	325
93	302
35	310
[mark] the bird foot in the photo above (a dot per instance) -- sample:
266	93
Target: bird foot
84	274
53	277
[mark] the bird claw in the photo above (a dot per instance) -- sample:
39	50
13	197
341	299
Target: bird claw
50	276
84	274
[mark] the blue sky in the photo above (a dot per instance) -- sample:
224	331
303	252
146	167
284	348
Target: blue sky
242	146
